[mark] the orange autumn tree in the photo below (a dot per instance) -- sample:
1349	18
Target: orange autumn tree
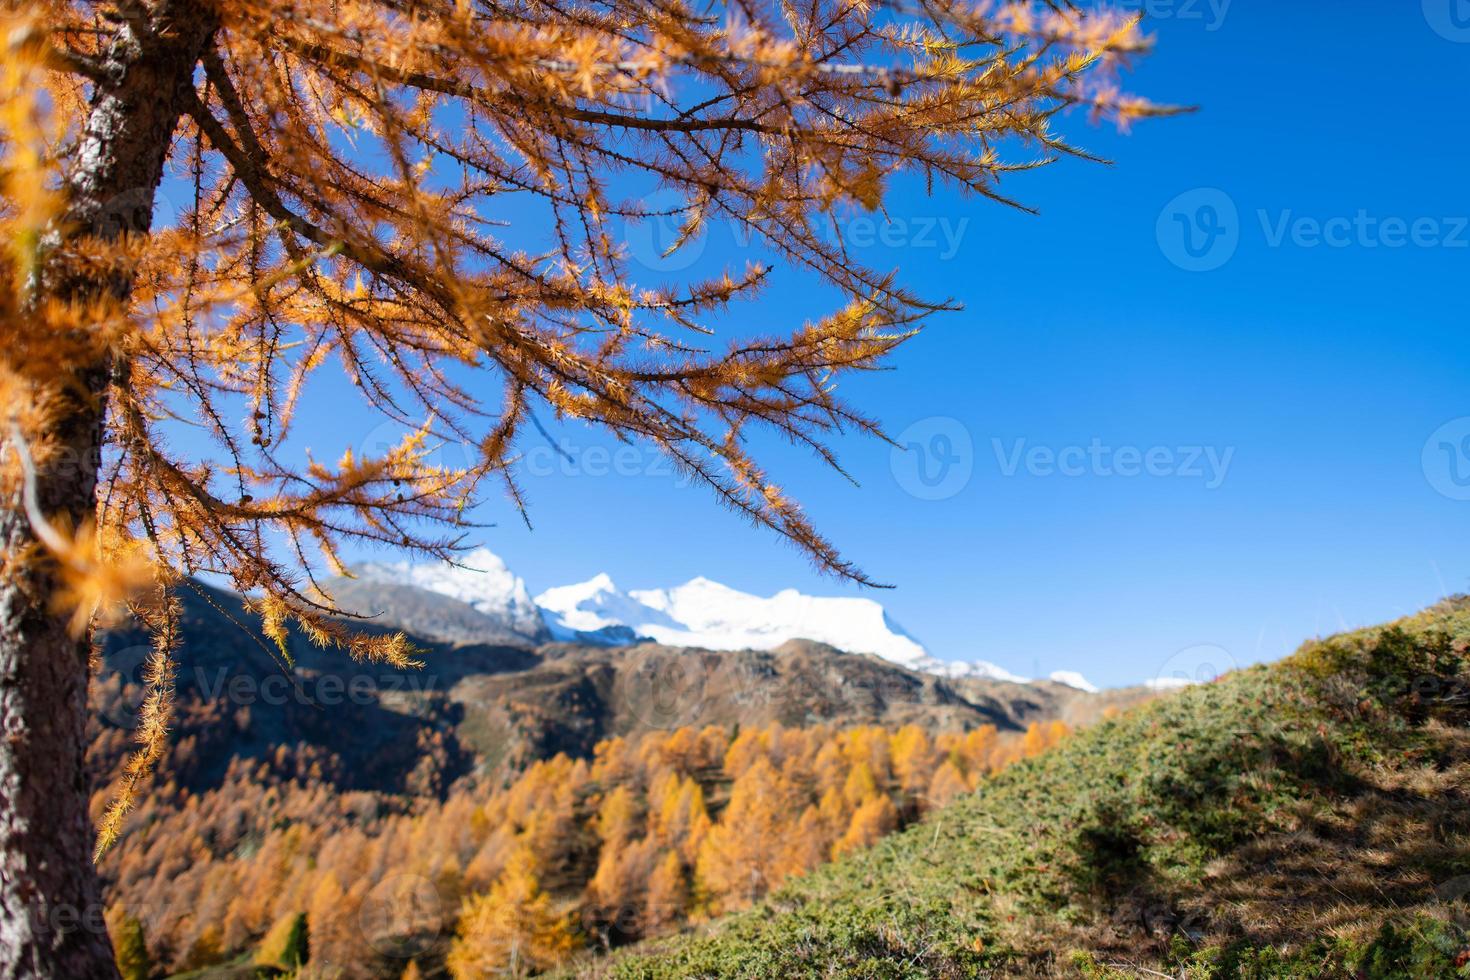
424	196
617	846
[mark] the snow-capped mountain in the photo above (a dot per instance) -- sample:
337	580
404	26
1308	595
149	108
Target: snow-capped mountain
699	613
702	613
982	669
1073	679
596	611
479	579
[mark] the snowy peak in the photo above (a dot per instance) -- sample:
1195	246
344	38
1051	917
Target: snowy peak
704	613
1073	679
479	579
596	611
699	613
580	601
979	669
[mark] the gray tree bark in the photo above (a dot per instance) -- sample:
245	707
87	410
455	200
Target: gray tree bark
51	913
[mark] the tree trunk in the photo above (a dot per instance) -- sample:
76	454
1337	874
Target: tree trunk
50	904
51	913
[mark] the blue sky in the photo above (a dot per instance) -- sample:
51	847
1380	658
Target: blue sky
1237	423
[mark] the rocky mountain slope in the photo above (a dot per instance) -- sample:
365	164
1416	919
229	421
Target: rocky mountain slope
482	707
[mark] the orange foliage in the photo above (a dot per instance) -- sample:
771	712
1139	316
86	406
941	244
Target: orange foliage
344	173
653	833
510	929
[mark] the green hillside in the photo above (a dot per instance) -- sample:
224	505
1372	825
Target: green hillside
1304	819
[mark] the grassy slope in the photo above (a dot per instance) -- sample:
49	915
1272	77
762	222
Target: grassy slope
1305	819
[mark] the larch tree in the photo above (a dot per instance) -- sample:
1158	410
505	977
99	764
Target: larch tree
425	196
512	929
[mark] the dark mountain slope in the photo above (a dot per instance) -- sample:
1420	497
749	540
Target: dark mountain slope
362	726
579	695
481	710
428	614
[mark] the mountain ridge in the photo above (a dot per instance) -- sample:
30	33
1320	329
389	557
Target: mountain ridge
700	613
480	708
